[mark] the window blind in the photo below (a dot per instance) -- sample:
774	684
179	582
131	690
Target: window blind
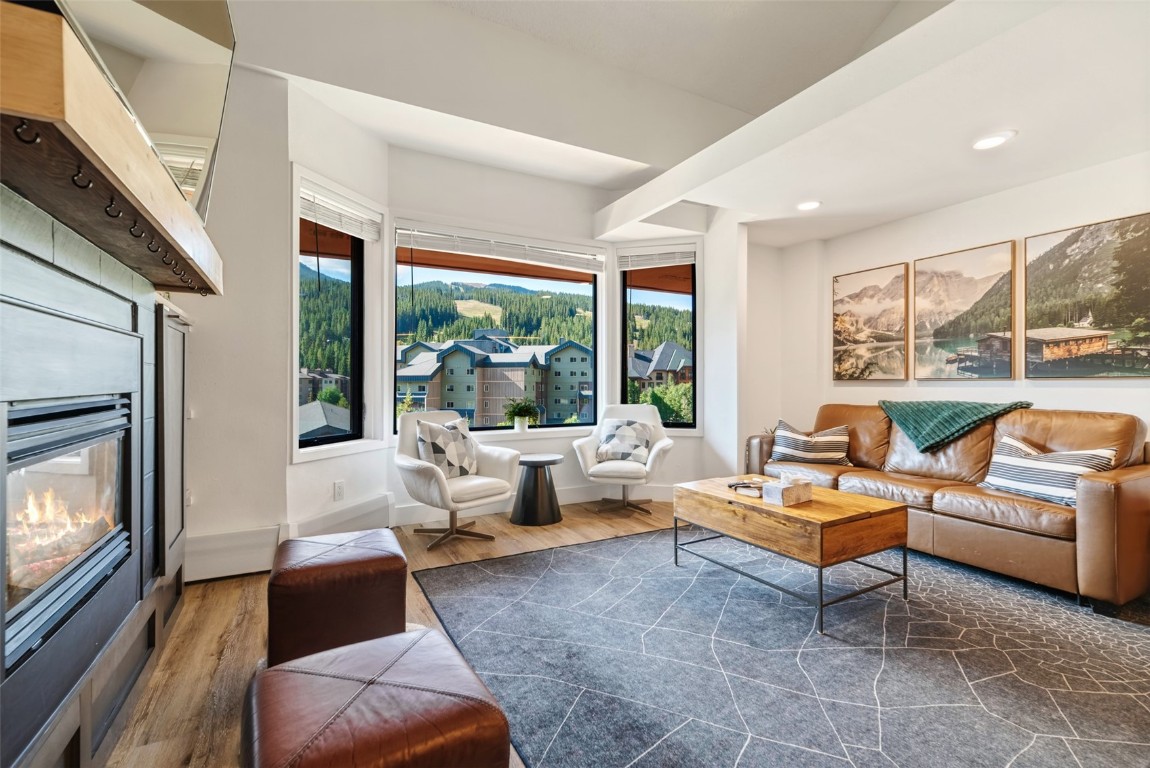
334	210
647	256
471	244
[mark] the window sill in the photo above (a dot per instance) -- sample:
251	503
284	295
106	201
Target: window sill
497	437
685	432
320	452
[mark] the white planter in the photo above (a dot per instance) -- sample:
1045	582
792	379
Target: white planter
521	423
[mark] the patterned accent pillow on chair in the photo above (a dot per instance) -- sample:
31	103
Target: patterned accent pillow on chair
826	447
624	439
448	446
1021	468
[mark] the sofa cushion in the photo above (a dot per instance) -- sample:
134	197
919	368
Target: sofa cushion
964	460
1077	431
822	475
828	446
869	431
1020	468
912	490
1006	510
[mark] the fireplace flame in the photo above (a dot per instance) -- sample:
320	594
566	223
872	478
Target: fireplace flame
47	536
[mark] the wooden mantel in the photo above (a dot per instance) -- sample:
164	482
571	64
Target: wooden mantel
72	148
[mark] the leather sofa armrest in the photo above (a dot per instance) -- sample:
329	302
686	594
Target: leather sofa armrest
1113	534
757	453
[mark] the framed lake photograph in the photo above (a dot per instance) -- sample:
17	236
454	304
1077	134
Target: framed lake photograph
1088	301
870	324
964	314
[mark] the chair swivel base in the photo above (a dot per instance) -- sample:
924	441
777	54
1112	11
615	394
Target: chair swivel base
611	505
454	530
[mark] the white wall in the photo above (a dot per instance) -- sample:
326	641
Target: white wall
760	371
1107	191
237	440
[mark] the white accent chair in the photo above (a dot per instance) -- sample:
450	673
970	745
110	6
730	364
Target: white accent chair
624	472
492	482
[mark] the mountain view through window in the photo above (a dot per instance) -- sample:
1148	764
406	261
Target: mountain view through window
479	333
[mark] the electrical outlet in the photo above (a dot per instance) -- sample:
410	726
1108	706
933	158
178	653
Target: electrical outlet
337	491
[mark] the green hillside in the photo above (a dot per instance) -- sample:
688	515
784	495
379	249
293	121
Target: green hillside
991	313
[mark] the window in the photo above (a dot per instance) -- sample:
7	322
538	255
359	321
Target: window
659	330
330	397
582	359
571	387
558	400
422	387
558	373
491	298
450	371
450	404
558	387
450	387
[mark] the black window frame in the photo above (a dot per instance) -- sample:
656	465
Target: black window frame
355	385
625	368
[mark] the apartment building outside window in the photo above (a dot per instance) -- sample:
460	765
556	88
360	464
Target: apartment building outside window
659	329
513	318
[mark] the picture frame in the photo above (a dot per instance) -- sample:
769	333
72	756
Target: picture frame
1088	301
868	327
964	314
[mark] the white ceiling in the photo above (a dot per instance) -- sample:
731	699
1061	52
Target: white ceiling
747	55
883	136
438	133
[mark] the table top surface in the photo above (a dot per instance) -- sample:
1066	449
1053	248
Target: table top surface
540	459
827	507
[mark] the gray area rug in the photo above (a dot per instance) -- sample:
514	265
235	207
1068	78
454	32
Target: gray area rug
606	654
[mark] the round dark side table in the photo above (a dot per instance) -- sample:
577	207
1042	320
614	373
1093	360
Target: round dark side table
536	503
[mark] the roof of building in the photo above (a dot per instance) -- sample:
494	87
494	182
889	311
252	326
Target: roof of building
318	418
1064	334
668	356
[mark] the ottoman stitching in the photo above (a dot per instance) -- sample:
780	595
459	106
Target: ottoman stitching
298	754
295	565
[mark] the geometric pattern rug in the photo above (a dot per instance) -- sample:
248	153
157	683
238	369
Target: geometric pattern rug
606	654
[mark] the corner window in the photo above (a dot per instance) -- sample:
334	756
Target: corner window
515	317
330	395
659	336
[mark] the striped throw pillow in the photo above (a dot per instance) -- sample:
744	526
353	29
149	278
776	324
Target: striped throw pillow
826	447
1022	469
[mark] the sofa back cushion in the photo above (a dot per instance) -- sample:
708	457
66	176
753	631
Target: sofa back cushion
869	431
1050	431
964	460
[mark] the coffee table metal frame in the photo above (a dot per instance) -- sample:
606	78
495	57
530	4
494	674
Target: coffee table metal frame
819	602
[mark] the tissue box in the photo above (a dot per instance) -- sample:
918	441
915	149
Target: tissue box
786	495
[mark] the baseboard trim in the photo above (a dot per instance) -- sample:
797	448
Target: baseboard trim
361	516
213	555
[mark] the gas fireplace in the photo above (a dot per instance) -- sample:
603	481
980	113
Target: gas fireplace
64	501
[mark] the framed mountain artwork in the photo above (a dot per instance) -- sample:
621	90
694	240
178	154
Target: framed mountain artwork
869	324
1088	301
964	314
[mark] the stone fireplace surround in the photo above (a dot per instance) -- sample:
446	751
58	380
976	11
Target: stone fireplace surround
64	703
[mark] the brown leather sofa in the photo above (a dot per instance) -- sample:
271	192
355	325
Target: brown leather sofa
1099	550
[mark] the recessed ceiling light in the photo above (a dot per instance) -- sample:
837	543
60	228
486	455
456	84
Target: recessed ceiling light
809	205
995	140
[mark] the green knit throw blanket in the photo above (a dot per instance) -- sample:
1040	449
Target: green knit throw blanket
932	424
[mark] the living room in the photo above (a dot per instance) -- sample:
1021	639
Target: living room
509	121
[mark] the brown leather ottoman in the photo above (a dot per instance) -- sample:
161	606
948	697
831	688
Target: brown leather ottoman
405	700
333	590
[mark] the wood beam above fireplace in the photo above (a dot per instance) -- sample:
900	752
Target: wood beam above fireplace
72	148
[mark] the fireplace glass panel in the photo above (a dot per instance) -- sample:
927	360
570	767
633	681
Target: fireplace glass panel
58	509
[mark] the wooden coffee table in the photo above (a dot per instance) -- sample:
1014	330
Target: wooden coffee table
832	528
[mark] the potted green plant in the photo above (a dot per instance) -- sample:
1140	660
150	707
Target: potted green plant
520	411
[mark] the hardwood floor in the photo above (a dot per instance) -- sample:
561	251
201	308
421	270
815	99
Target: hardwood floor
189	714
